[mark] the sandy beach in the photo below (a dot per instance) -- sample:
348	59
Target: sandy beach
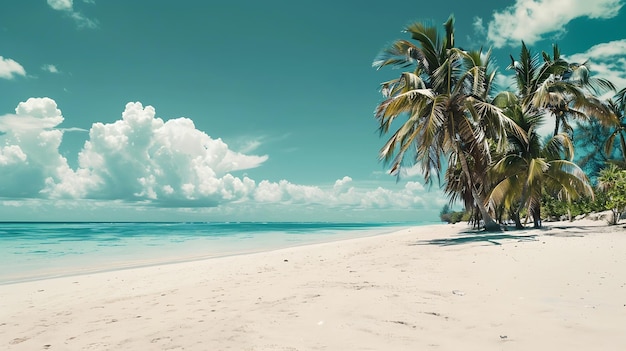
425	288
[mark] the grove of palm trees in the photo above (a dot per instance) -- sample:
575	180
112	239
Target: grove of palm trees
445	114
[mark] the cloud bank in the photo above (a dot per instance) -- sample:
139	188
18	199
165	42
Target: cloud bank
532	20
143	159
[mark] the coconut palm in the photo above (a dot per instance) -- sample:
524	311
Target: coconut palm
444	101
619	129
564	90
531	166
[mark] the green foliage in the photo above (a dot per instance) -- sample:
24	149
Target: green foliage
554	208
589	140
586	204
449	216
612	182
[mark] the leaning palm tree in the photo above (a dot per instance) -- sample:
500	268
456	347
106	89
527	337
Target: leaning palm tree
532	166
445	102
564	90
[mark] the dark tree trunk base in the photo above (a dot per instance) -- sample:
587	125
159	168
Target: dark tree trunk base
493	227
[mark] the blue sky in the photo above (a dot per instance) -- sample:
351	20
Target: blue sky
239	110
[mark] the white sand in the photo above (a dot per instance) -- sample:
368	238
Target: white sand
565	290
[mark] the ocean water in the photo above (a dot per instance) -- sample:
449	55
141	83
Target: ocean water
30	251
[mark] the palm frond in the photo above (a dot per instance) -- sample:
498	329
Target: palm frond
427	37
401	53
569	177
402	103
592	106
536	168
557	146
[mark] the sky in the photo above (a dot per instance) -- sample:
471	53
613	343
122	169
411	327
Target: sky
190	110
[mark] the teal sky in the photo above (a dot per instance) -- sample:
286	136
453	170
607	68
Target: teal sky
239	110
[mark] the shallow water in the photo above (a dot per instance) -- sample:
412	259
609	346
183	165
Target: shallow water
30	251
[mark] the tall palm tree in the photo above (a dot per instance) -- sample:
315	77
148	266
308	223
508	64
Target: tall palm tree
444	101
532	166
564	90
619	131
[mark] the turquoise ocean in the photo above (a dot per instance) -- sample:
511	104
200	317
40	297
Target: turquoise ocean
32	251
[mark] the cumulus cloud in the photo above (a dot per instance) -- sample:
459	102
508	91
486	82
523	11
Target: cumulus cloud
532	20
168	163
10	68
30	160
67	7
143	159
342	184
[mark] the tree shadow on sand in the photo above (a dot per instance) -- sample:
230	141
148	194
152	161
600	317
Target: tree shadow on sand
476	238
471	237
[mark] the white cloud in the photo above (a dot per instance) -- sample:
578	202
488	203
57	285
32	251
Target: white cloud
67	6
138	158
479	27
10	68
532	20
342	185
82	21
30	157
11	154
61	5
50	68
145	160
168	163
341	195
409	197
33	115
250	145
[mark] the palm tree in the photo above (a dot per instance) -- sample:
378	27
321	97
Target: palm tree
445	102
531	166
561	89
619	132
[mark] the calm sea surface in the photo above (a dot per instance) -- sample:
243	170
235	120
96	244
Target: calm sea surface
30	251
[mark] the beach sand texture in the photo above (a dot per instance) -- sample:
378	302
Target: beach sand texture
423	288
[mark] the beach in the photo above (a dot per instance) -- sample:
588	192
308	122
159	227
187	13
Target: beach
437	287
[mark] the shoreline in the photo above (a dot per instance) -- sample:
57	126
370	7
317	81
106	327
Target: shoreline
184	257
403	291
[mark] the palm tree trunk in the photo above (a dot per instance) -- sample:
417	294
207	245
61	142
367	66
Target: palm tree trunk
536	213
490	224
557	125
518	222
